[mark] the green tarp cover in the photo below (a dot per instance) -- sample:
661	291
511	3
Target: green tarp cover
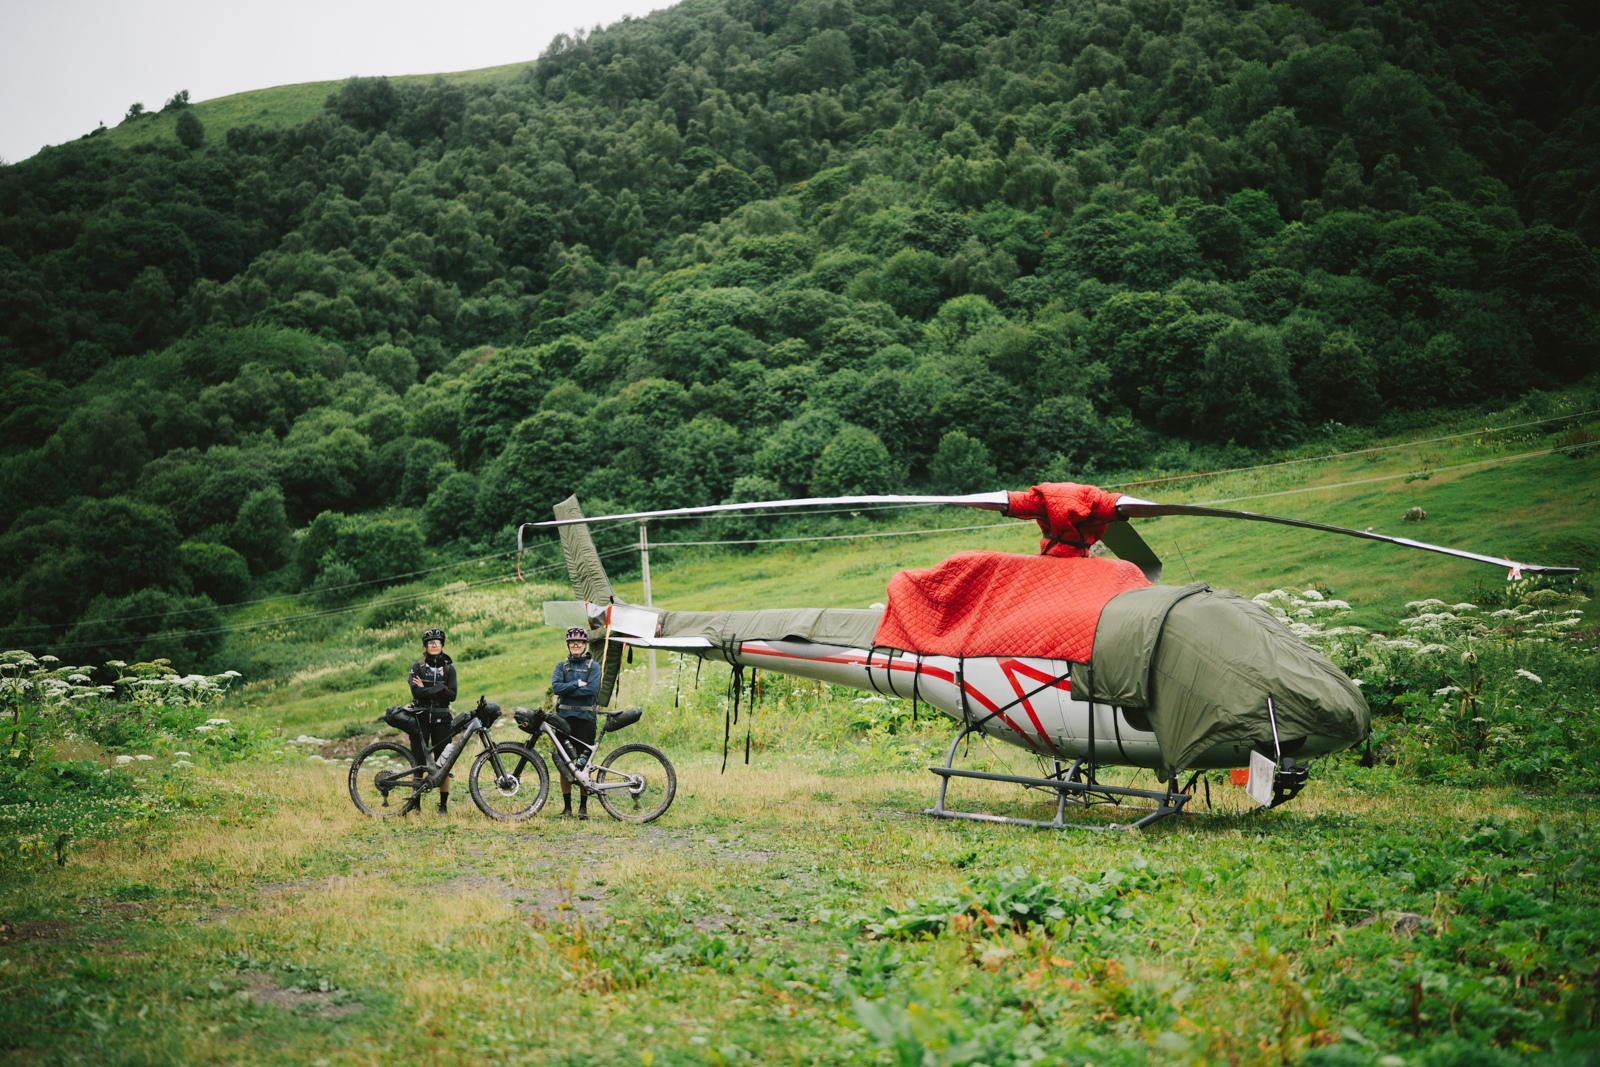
1205	670
850	627
1125	643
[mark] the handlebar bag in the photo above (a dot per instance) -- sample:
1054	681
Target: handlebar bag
617	720
488	713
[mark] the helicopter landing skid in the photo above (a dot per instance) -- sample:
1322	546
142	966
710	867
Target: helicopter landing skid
1070	786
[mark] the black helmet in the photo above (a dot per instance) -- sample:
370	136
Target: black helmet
435	634
577	633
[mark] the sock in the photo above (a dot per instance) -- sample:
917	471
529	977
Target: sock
444	803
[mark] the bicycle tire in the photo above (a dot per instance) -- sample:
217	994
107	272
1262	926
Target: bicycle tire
519	762
659	787
372	800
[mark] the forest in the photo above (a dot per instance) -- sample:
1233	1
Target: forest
737	250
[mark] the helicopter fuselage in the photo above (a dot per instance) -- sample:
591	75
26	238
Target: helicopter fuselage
1022	701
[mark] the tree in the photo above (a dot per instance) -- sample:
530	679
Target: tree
261	530
1340	382
215	571
1244	391
827	60
961	465
191	132
177	101
422	462
854	463
126	545
449	511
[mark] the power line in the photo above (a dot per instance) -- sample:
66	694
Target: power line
1343	455
306	616
287	596
1393	477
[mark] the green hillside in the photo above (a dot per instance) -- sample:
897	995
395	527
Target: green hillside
326	337
281	105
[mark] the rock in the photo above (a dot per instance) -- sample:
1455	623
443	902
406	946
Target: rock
1414	515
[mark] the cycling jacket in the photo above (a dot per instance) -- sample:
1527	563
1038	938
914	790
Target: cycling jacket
437	675
576	684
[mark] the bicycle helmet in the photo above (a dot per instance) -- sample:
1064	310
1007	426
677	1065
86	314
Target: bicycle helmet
435	634
577	633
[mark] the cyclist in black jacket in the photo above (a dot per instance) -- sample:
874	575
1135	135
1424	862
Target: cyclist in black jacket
433	687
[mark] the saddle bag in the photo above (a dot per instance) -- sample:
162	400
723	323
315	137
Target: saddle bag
403	718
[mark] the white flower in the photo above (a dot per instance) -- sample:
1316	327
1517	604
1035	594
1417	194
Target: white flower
1311	594
182	763
124	759
1402	643
1359	681
142	756
1534	678
1428	650
1447	691
180	753
1463	607
216	722
203	729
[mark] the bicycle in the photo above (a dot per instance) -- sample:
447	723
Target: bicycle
634	783
508	781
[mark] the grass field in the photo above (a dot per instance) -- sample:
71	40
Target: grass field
280	105
799	909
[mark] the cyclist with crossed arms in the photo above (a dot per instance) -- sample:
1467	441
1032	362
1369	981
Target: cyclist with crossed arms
576	685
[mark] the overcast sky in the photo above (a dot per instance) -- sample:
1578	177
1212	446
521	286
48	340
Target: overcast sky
67	65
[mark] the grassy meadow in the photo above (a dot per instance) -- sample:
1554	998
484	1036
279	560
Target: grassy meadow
276	106
799	909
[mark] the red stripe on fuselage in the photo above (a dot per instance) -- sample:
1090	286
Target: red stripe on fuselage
858	660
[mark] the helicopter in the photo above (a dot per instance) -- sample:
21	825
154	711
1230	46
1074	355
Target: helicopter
1079	658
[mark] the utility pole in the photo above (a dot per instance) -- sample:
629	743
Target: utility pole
644	559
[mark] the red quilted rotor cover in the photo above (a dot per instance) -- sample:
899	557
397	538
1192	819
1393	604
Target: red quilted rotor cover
999	604
1075	515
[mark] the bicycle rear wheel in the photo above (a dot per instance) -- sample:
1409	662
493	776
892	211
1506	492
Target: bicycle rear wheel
516	794
383	781
651	783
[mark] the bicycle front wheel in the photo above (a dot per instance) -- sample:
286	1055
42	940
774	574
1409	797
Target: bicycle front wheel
636	783
383	781
517	791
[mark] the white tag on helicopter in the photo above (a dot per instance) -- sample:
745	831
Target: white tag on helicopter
1262	771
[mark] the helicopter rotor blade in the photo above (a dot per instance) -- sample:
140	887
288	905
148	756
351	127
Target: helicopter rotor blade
996	501
1130	508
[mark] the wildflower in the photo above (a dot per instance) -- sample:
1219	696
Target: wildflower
1534	678
182	763
216	722
142	756
1447	691
124	759
180	753
203	729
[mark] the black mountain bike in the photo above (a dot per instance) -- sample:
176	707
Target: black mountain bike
507	781
634	783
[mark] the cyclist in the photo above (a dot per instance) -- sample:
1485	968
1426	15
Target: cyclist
433	687
576	685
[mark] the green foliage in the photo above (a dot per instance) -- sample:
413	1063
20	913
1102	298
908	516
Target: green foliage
700	245
191	132
216	571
